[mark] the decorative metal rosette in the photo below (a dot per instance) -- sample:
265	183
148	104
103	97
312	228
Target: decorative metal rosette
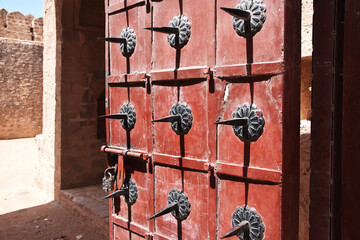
256	225
130	37
256	123
182	23
181	198
132	191
129	124
184	111
257	19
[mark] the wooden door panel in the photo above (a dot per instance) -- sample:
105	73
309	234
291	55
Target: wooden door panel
135	213
196	186
267	43
196	140
134	18
264	198
121	234
266	152
196	52
137	138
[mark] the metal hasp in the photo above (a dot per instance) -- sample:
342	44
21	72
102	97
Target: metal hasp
248	17
128	190
127	116
247	117
180	118
179	31
247	224
109	176
178	205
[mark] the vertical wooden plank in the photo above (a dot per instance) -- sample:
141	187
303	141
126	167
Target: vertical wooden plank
291	121
351	129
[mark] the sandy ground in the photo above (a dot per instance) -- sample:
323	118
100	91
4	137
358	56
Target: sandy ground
17	179
27	213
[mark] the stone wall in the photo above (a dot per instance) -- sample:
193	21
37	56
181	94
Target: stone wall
21	59
20	88
16	25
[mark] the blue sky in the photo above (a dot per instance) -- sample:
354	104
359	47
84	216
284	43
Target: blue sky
34	7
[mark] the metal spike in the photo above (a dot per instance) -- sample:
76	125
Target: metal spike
115	194
115	116
169	119
167	30
245	15
238	229
114	40
169	208
234	121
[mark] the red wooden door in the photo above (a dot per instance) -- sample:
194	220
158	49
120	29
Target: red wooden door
214	147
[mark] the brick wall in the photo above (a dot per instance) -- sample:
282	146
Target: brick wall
20	75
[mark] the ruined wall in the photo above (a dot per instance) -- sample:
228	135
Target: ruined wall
16	25
20	75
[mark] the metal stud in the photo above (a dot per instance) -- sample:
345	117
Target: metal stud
127	116
128	190
127	41
178	205
180	118
247	224
179	31
248	122
248	17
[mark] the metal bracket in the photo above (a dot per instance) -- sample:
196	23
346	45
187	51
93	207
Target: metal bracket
180	118
248	17
179	31
178	205
247	224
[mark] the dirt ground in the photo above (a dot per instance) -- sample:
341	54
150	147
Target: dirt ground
46	222
27	213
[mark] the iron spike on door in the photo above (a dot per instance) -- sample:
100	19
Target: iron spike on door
247	224
127	41
128	190
180	118
248	17
248	122
127	116
178	205
179	31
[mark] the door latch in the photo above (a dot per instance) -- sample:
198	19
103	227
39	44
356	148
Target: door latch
248	122
180	118
128	190
247	224
127	116
248	17
127	41
178	205
179	31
